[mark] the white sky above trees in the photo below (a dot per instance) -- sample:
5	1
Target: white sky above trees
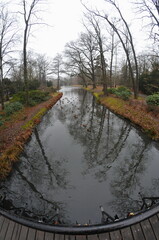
65	17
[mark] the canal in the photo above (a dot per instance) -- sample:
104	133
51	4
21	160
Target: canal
80	157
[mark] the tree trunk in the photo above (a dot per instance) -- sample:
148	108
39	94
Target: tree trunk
93	81
128	59
58	80
25	66
111	60
1	85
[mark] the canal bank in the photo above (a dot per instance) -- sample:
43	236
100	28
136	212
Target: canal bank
80	157
16	132
135	110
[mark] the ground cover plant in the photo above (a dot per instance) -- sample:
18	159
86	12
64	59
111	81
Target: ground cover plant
121	92
13	107
153	99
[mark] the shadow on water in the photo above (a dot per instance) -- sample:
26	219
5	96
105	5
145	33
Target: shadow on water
80	157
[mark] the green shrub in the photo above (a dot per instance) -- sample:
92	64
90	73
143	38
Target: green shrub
123	89
1	121
153	99
35	97
52	89
149	81
121	92
38	96
111	90
10	108
19	97
125	95
32	102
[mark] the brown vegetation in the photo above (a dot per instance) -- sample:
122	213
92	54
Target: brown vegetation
15	133
136	110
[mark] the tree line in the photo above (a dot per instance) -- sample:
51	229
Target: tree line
30	70
104	53
108	39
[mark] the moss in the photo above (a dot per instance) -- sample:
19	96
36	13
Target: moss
32	122
98	95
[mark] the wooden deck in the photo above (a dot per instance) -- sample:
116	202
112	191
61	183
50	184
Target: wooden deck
145	230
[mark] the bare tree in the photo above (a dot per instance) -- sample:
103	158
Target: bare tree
43	68
30	18
57	68
7	39
75	62
122	35
84	53
89	51
100	41
150	9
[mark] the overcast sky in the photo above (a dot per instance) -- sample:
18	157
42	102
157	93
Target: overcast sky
65	17
65	20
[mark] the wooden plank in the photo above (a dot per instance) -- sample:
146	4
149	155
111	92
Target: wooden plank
4	228
147	229
115	235
40	235
155	225
1	222
137	232
10	230
126	234
59	237
31	234
81	237
23	233
69	237
16	231
49	236
104	236
92	237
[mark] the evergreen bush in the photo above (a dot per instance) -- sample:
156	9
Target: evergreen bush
121	92
35	97
1	121
153	99
10	108
111	90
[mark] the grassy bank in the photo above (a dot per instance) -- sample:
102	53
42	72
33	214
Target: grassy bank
16	132
134	110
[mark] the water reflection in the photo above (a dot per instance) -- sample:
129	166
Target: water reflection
80	157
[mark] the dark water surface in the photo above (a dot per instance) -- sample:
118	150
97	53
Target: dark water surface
80	157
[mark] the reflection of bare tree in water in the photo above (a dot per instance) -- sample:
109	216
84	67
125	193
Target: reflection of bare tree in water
59	174
126	181
42	150
27	181
112	156
106	141
103	143
93	126
34	189
41	202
